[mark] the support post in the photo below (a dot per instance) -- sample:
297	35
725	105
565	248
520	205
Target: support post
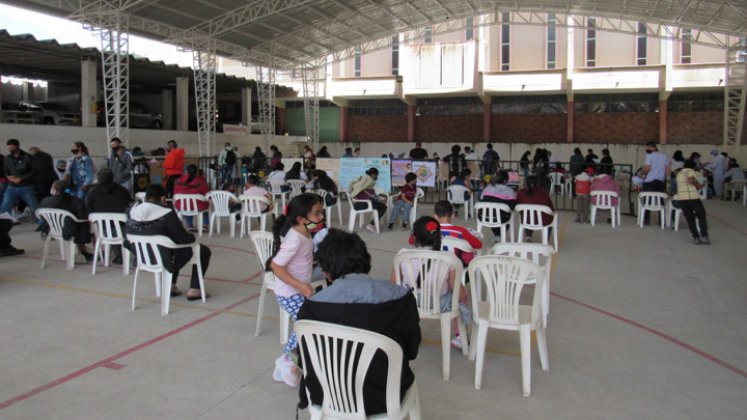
343	124
246	106
182	103
204	77
313	75
487	117
266	99
88	93
410	123
735	95
570	115
167	101
115	52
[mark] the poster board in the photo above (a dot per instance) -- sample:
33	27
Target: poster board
426	172
330	166
400	168
351	168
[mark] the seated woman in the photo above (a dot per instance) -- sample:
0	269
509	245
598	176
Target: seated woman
252	188
534	194
362	188
498	191
193	183
463	179
80	233
605	182
278	174
322	181
296	172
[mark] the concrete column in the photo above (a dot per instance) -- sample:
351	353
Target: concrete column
182	103
663	122
279	120
487	116
410	122
343	124
569	122
168	108
88	93
246	106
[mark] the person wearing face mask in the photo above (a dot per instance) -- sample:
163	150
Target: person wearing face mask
362	188
19	173
654	172
80	233
80	171
153	217
173	166
120	163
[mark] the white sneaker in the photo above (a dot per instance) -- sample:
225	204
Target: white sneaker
289	372
456	342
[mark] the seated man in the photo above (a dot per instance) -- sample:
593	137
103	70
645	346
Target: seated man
153	217
106	196
79	232
356	300
6	249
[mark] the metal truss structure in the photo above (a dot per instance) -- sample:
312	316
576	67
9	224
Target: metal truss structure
313	75
735	94
203	58
266	100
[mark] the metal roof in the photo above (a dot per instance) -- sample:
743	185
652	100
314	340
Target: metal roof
287	33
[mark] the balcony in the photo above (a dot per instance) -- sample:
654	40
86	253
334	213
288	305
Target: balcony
366	88
698	76
645	78
550	81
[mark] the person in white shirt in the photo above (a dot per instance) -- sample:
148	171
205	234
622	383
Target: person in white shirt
717	166
469	153
654	171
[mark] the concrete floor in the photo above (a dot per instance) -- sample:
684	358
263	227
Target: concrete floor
643	324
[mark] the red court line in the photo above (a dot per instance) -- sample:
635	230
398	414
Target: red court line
109	362
656	332
718	219
232	248
383	250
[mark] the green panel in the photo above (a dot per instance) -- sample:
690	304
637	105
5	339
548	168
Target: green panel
329	123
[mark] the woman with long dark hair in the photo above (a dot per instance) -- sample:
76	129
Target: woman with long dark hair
193	183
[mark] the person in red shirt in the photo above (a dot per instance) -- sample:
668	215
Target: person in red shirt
193	183
173	166
444	214
404	201
534	194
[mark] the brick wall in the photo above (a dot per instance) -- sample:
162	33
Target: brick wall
448	128
616	127
375	128
695	127
528	128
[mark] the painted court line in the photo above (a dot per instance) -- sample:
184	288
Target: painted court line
110	362
725	223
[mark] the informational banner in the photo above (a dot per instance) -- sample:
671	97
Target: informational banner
400	168
351	168
330	166
426	172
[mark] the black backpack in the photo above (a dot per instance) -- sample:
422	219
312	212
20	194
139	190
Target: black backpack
230	157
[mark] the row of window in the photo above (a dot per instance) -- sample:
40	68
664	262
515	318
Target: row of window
551	44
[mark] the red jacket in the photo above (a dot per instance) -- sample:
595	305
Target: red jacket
174	162
197	186
539	196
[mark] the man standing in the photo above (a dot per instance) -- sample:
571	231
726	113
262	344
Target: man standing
45	172
490	160
226	160
120	163
356	300
20	173
418	153
718	168
654	172
173	166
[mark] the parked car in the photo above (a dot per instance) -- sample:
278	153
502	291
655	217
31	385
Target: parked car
12	113
53	113
140	116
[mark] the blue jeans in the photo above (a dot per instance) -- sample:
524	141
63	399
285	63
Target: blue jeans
205	220
226	173
13	193
400	205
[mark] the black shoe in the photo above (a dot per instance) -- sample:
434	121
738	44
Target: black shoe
391	226
88	256
117	260
704	240
10	251
697	241
404	225
646	222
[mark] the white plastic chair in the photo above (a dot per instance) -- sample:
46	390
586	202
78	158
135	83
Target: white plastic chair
278	196
530	217
140	197
296	186
604	200
431	269
149	259
221	201
744	195
653	202
108	233
361	212
504	279
340	357
263	242
732	188
557	183
55	219
187	205
414	211
252	206
328	209
455	196
538	254
489	215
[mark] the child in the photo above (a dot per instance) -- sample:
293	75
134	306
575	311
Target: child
291	263
254	190
444	214
404	201
583	189
498	191
426	234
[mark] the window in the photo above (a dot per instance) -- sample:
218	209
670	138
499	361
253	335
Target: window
540	104
469	29
395	55
377	107
552	33
696	102
450	106
428	36
505	41
641	38
616	102
591	42
687	47
358	61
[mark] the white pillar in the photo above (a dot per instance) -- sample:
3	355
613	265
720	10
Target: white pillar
88	93
168	108
182	103
246	106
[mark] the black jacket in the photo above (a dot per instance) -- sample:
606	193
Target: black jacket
153	219
45	174
397	319
79	232
21	167
109	198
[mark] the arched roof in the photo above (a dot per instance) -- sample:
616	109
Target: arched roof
286	33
